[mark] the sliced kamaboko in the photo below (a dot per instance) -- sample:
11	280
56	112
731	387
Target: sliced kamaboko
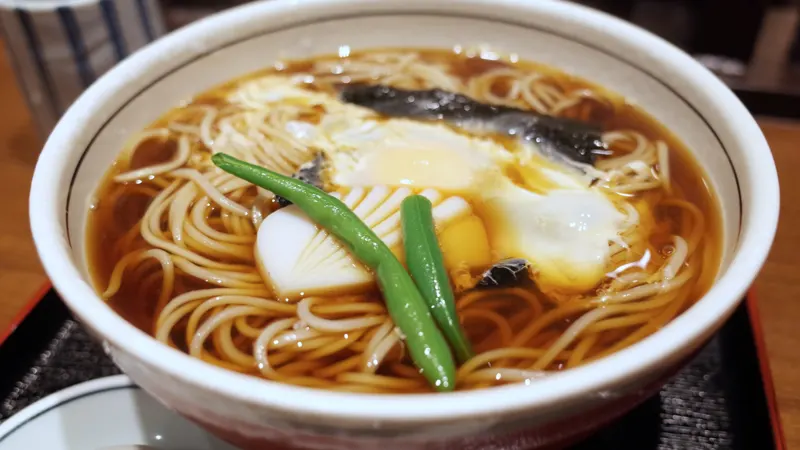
298	258
565	235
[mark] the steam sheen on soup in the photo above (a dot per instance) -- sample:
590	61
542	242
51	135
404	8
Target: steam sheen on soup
571	224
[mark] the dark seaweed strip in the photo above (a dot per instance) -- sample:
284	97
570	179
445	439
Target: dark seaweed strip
576	140
310	173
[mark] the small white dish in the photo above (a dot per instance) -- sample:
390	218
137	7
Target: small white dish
95	415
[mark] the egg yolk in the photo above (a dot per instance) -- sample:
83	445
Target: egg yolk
438	168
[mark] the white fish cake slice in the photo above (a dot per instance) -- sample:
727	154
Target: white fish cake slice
298	258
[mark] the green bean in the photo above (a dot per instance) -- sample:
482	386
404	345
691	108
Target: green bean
426	264
426	344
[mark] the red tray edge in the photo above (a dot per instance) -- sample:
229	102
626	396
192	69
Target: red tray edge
766	372
25	310
755	323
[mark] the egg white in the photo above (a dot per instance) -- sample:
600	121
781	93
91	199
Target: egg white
564	234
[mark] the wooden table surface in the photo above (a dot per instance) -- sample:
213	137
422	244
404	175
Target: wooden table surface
778	285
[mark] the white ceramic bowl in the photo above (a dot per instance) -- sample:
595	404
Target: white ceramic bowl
680	93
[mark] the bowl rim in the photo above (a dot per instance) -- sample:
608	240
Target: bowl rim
592	380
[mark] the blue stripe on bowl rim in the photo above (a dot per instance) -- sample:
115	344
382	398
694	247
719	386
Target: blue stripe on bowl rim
112	22
35	47
80	54
144	16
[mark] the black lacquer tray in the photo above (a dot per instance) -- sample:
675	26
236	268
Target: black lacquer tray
722	400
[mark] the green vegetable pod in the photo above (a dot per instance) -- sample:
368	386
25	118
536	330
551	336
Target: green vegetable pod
426	264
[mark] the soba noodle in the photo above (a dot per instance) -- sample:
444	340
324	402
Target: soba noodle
172	237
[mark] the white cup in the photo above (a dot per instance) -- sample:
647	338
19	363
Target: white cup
59	47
